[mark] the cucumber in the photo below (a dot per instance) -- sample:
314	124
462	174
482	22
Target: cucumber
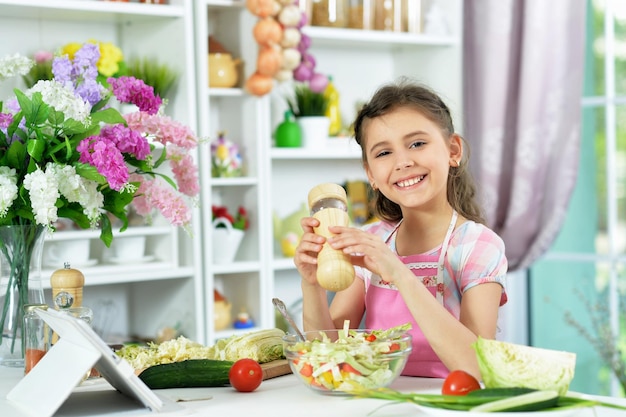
532	401
187	374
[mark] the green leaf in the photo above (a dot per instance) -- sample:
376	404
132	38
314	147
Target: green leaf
75	213
36	148
109	116
56	118
73	127
16	155
106	232
89	172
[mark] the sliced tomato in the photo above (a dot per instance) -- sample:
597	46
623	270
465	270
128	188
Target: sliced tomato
370	338
306	370
346	367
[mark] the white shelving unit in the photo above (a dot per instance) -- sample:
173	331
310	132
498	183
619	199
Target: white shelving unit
244	120
279	179
141	297
359	62
179	287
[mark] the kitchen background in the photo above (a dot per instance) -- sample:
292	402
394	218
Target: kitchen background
173	282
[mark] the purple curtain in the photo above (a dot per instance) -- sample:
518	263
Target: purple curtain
523	79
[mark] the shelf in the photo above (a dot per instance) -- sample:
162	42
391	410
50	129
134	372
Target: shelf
95	234
230	182
236	267
88	10
219	4
226	92
107	274
372	39
283	264
343	150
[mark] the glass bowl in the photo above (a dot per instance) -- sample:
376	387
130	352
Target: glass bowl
340	361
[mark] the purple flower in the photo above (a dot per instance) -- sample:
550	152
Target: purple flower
81	73
62	70
135	91
86	60
126	140
5	120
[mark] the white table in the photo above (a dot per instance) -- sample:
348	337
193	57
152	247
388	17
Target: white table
281	396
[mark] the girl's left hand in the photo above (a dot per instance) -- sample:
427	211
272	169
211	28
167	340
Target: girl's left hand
366	250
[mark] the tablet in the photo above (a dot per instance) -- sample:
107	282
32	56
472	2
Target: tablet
65	365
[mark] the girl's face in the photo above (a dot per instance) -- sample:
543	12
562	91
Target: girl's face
408	158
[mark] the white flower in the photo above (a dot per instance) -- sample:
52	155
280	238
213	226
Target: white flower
77	189
43	190
63	99
8	189
13	65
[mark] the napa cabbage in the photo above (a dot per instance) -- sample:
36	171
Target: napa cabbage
504	364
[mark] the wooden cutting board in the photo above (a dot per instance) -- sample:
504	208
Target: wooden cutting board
275	368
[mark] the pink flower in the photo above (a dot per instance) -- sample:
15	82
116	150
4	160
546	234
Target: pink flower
106	158
127	140
163	128
185	171
135	91
43	56
153	195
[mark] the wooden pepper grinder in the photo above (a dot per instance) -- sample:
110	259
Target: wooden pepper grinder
70	281
329	204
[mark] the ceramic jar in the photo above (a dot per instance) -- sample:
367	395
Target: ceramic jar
221	311
223	71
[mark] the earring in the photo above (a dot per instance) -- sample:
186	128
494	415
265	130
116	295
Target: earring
373	185
455	163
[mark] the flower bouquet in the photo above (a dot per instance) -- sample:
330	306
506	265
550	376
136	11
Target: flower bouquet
65	153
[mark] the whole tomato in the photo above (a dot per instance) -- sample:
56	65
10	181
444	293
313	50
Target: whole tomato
245	375
459	383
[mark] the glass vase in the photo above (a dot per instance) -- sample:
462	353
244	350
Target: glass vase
20	284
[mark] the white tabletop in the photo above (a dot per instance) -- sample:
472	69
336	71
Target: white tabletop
281	396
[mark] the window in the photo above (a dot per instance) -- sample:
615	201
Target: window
582	279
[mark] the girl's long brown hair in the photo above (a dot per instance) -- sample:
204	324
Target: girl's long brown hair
405	93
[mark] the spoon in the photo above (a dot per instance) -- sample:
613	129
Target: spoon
282	309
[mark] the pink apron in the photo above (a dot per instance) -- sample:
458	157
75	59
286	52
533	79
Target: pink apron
385	307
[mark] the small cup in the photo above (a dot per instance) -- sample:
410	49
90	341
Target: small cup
129	248
75	251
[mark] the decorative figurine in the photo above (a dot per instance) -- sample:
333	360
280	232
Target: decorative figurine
243	321
226	160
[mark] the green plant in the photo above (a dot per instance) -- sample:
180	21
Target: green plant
159	76
608	345
306	102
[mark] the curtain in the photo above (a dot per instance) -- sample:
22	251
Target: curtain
522	89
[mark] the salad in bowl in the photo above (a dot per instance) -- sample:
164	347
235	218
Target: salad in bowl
339	361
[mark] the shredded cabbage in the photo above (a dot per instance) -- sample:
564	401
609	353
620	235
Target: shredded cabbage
261	345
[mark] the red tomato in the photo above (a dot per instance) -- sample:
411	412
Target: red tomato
459	383
245	375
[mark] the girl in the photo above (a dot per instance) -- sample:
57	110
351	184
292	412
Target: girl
429	260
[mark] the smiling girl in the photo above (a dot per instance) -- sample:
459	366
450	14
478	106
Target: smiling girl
429	260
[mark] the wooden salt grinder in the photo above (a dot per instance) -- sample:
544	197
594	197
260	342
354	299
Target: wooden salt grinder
68	280
329	204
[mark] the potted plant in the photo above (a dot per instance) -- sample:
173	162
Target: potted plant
159	76
309	108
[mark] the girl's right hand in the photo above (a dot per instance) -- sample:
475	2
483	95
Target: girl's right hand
307	250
